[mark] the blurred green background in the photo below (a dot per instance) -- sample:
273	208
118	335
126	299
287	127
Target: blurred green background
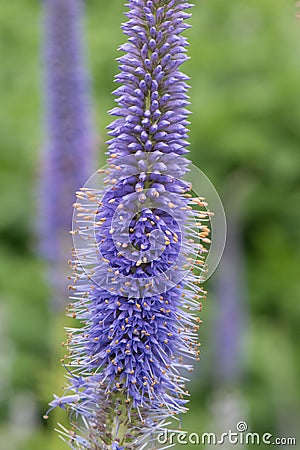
245	136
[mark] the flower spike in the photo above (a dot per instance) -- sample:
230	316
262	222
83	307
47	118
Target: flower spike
68	153
135	289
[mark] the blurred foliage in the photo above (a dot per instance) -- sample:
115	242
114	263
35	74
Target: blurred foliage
245	71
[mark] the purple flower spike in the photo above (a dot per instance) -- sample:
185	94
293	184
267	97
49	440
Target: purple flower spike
68	152
135	291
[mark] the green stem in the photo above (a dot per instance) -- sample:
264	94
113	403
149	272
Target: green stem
120	423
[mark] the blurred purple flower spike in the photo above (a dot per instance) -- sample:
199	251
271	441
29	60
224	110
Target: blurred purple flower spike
134	288
68	157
